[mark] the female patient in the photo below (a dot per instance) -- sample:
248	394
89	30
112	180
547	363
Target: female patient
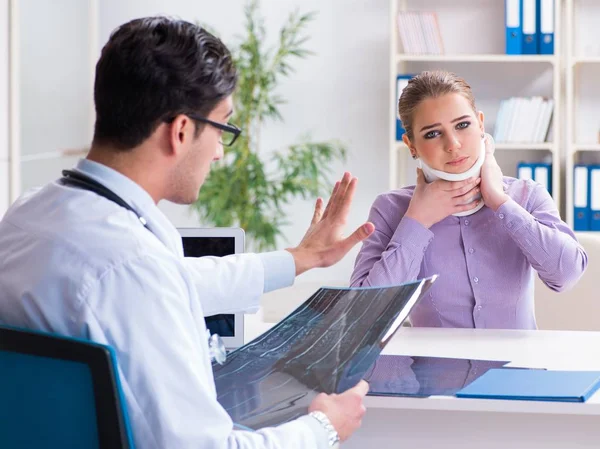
482	232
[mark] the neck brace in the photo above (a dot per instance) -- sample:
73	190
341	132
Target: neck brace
432	175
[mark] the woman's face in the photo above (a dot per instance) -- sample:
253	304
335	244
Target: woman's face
446	133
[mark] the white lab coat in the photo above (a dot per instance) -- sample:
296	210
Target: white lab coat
77	264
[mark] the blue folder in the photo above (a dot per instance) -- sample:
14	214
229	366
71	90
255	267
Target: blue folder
529	27
533	385
514	31
545	27
581	198
401	83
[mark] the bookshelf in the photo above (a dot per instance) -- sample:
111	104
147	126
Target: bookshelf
549	59
582	124
493	75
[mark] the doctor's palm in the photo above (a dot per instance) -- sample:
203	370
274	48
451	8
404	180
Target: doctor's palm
324	244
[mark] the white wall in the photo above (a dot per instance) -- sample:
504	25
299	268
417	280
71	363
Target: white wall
55	91
4	126
340	93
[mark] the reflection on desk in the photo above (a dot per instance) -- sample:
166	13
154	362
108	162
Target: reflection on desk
397	375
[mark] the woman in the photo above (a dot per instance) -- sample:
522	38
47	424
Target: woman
485	235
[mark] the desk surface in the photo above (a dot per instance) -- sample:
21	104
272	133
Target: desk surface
557	350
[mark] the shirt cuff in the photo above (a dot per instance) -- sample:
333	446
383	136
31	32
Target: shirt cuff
280	269
321	435
513	216
412	235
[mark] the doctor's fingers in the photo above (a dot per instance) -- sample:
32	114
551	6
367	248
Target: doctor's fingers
339	204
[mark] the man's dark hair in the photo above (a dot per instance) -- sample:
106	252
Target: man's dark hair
153	69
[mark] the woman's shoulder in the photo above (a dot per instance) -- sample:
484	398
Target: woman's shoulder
401	196
392	204
522	190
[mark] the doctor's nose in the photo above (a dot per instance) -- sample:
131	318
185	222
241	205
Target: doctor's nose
219	154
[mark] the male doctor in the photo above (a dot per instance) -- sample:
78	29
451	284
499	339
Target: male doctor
91	256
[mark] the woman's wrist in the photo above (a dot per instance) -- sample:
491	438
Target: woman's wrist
495	203
410	214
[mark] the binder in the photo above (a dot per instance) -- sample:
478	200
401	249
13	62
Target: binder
545	27
533	385
530	46
581	198
542	174
524	170
514	30
594	187
401	83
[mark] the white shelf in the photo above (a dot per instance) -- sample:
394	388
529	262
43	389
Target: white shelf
549	59
586	147
585	60
544	146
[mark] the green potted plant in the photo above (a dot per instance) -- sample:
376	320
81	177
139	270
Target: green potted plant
243	189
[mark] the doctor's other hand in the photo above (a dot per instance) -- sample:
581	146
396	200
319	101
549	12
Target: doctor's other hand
492	186
437	200
324	244
345	411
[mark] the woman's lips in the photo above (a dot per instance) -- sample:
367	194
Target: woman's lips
458	162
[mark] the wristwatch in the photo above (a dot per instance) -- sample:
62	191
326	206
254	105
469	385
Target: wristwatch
332	435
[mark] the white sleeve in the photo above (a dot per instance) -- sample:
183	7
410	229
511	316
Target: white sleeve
236	282
144	309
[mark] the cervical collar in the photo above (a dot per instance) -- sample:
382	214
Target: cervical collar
432	174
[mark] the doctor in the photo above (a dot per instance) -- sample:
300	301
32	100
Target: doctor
92	256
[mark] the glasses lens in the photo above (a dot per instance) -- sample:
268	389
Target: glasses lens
227	138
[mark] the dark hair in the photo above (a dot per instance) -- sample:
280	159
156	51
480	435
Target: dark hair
153	69
430	85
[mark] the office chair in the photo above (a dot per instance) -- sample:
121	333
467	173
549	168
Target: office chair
59	392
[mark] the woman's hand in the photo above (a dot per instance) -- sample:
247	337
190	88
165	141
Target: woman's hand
435	201
492	187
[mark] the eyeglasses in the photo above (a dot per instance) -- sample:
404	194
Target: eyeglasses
216	348
230	132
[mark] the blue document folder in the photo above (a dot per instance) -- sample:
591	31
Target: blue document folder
533	385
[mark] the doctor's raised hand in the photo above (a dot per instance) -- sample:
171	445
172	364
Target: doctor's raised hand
324	243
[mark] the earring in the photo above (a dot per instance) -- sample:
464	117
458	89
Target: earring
414	156
482	135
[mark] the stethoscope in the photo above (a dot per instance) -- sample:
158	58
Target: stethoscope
78	180
72	178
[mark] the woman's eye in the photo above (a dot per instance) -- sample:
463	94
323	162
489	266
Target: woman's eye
431	134
463	125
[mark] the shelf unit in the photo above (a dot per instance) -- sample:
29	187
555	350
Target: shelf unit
575	148
401	63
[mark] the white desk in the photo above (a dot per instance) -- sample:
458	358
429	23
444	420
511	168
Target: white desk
448	422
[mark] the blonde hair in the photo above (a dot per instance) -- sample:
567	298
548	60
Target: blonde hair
430	84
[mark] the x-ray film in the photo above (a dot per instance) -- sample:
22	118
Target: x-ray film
326	345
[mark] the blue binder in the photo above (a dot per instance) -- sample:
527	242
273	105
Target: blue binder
594	187
533	385
529	21
542	174
401	83
581	198
524	170
514	31
545	27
